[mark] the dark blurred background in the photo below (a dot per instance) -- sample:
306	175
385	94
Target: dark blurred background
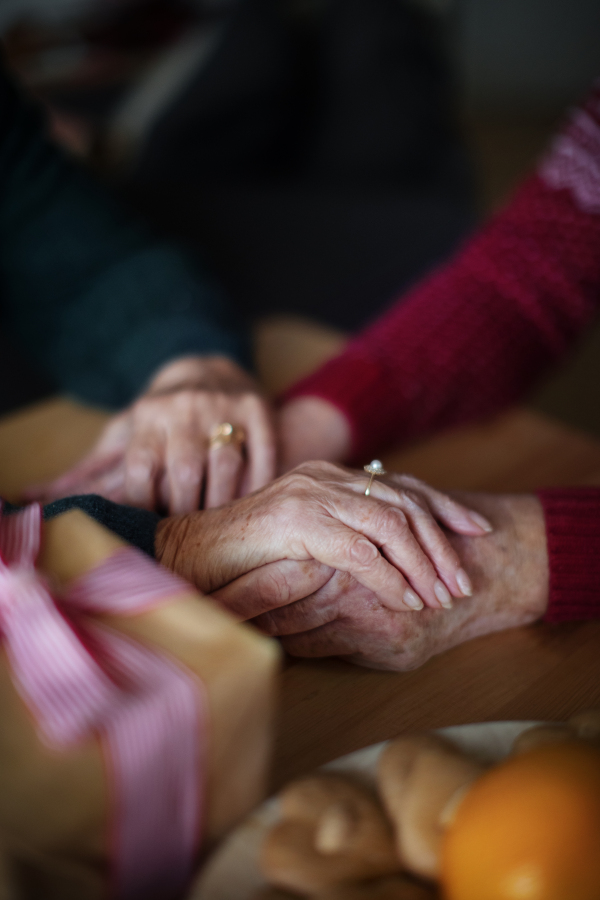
127	81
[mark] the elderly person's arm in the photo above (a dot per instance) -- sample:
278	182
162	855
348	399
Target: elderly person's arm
110	312
474	336
541	562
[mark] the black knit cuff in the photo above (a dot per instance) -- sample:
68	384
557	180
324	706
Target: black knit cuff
136	526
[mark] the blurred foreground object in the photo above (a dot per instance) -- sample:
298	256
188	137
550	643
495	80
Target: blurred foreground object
125	729
505	824
529	829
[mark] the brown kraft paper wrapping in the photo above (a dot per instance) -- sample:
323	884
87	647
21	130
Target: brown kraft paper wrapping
54	806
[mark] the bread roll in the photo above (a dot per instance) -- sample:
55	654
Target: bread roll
421	779
332	831
540	735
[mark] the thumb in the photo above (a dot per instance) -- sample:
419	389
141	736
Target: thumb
271	586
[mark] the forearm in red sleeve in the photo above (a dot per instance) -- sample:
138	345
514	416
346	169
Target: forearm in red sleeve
572	517
474	336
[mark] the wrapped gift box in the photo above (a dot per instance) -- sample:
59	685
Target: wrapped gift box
136	715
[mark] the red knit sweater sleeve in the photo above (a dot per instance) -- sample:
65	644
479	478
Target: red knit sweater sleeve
474	335
573	533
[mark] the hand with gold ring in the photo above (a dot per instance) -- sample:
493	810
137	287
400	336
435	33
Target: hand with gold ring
226	433
201	435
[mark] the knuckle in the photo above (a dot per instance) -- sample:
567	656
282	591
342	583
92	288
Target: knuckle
185	396
298	479
186	471
362	552
252	402
407	483
393	519
413	499
319	467
323	465
188	403
305	470
138	475
139	463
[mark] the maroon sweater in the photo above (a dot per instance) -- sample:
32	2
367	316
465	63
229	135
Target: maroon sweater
473	337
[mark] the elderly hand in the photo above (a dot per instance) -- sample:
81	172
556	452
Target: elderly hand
156	453
390	542
328	613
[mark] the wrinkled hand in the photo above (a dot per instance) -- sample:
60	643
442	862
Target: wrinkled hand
156	455
390	542
328	613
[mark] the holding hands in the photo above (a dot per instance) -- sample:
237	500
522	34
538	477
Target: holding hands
329	613
390	543
308	558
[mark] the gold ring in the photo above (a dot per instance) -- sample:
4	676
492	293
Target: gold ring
374	469
226	433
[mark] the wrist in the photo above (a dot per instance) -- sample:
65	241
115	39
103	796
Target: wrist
169	542
213	372
509	567
201	548
520	548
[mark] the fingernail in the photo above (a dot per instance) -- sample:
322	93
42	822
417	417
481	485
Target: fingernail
443	594
481	522
411	599
464	583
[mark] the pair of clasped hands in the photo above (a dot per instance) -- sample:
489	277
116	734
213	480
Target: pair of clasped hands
305	557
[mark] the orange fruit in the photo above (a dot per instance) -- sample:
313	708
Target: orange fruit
529	829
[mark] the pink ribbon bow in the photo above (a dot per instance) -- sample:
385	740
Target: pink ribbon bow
146	710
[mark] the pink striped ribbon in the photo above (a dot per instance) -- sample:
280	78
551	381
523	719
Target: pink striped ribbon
81	679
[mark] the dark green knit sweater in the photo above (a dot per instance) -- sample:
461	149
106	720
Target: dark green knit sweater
95	298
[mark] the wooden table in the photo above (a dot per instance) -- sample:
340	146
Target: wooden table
330	708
